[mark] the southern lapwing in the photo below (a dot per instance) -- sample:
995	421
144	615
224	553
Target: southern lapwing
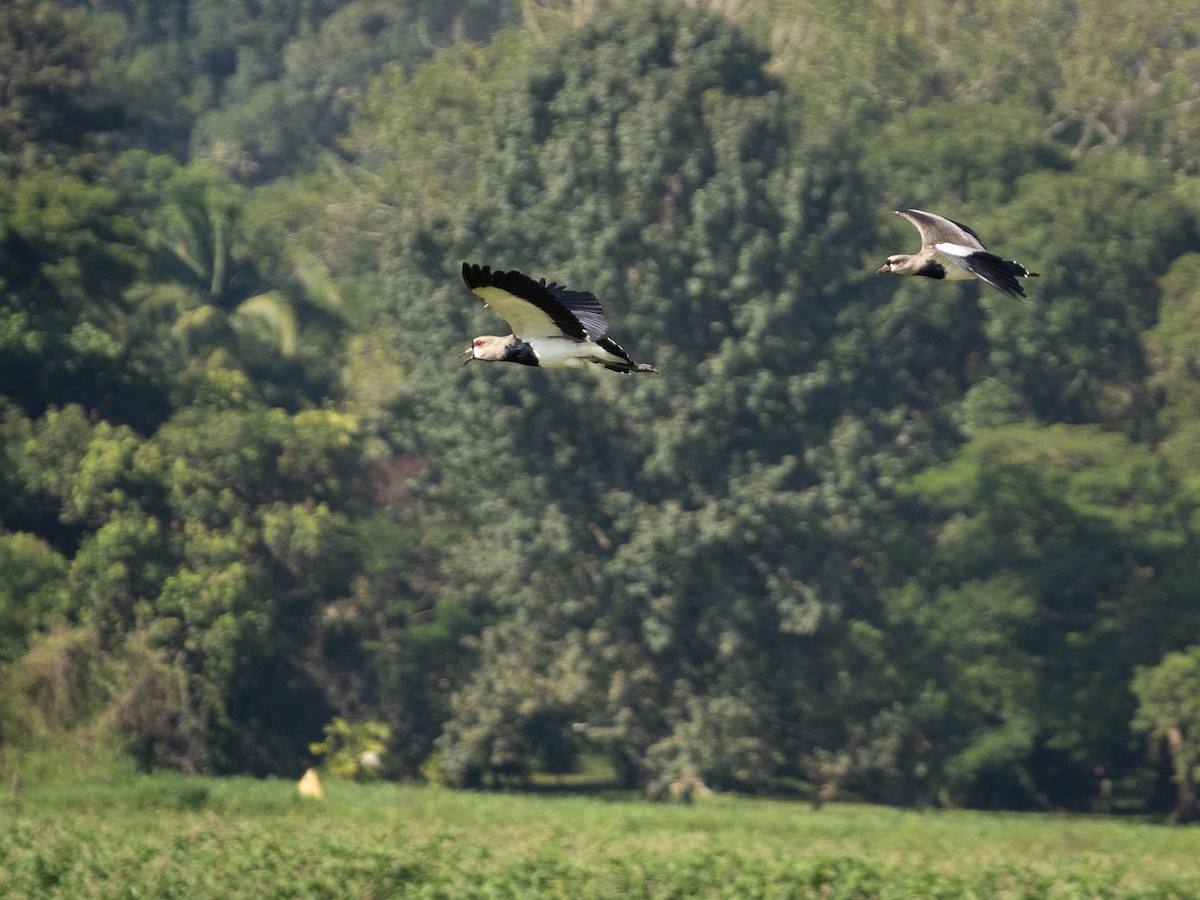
552	326
950	249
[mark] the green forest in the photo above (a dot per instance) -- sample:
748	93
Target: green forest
901	540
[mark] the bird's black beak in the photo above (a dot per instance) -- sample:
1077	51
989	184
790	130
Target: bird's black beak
886	267
469	354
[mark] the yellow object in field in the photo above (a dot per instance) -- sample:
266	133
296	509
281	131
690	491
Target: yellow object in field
310	786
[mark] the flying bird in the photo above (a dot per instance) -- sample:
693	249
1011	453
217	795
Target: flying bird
950	249
552	326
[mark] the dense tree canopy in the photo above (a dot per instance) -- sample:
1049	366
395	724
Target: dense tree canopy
907	539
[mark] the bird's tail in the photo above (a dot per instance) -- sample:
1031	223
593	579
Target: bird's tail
629	368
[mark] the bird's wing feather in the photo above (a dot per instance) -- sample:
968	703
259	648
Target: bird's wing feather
531	309
585	307
615	349
998	272
937	229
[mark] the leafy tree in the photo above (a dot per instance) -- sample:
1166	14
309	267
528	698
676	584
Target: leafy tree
55	689
43	456
894	537
54	106
392	648
203	558
70	245
1104	78
229	296
31	590
294	116
933	157
68	252
1171	351
1167	695
1139	55
1078	356
353	750
1035	604
718	248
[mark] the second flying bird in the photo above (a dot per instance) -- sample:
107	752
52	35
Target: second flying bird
552	326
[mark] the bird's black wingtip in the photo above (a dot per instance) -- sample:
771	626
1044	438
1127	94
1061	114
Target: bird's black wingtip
512	281
1007	286
476	275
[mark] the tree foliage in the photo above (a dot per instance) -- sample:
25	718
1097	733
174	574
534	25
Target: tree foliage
906	539
1167	695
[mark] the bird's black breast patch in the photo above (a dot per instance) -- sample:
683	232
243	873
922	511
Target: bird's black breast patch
520	352
932	269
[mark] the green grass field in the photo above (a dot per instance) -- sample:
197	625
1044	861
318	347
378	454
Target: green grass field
170	836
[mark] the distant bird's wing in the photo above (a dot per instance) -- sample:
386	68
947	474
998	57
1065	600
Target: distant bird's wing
998	272
534	309
937	229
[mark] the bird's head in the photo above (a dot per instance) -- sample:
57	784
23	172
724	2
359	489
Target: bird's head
487	347
894	264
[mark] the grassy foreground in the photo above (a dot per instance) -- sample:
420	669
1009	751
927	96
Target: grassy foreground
169	836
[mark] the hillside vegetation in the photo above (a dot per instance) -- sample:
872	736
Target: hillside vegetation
911	541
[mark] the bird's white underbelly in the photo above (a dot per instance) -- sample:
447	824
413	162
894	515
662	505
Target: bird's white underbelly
563	352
